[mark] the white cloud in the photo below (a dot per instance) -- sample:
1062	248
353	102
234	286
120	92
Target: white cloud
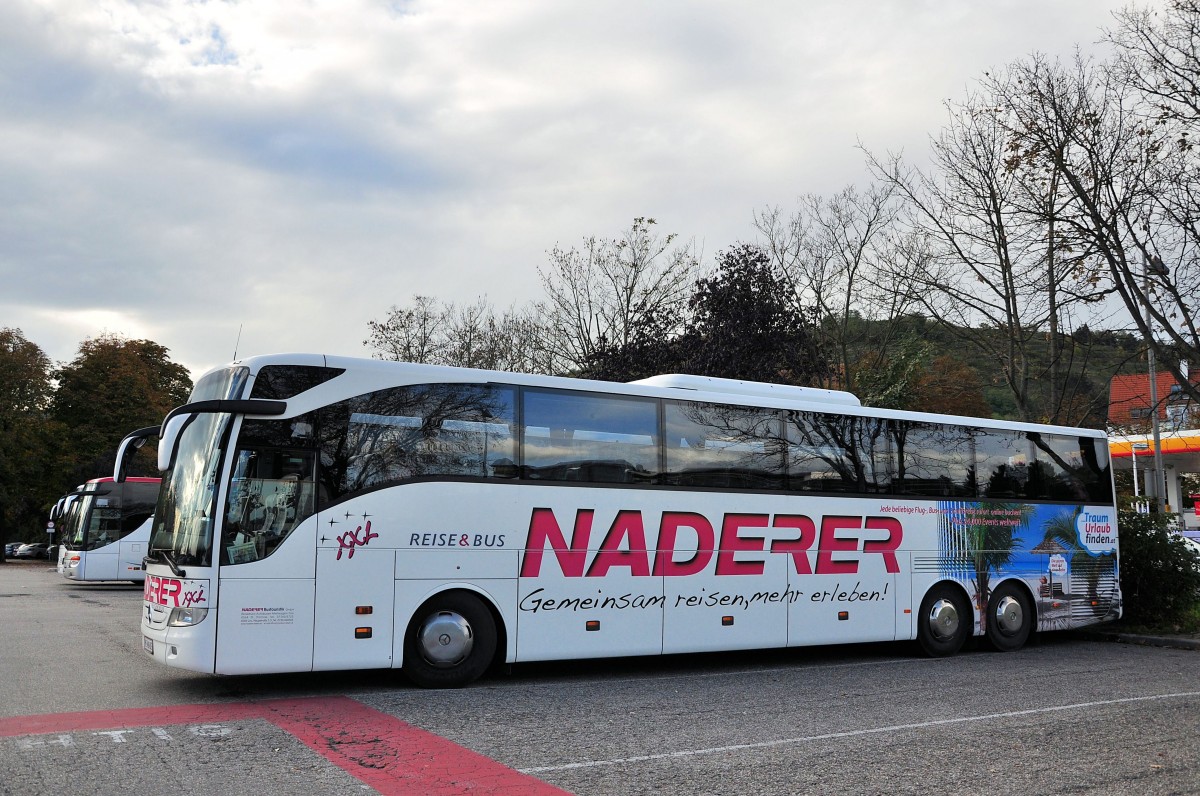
297	168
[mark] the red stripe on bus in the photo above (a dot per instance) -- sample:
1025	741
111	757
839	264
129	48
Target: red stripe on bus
381	751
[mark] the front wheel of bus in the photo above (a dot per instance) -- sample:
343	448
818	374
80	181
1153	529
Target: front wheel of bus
944	622
1010	618
450	641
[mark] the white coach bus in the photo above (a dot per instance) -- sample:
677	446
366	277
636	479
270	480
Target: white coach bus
325	513
105	529
104	524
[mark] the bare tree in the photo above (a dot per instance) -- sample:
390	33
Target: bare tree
467	335
997	268
1158	67
598	295
1129	175
839	256
408	334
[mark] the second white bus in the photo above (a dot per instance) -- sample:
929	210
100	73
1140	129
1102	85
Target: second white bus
106	528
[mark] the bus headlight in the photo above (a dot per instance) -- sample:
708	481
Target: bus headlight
186	617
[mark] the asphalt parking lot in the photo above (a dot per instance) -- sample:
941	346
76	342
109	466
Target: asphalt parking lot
84	709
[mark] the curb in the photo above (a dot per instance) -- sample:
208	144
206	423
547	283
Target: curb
1172	642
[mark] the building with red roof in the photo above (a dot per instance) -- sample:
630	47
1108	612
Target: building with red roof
1129	407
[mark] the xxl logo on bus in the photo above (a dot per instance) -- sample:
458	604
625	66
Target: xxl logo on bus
832	549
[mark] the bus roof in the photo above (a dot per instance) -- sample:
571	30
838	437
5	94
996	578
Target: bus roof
366	375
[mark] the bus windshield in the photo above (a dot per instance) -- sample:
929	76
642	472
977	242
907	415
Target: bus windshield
69	525
77	535
183	519
106	512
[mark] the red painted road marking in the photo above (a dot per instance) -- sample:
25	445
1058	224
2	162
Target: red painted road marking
380	750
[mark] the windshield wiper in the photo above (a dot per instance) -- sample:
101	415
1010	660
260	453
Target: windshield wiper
164	557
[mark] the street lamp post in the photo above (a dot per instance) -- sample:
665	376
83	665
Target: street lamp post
1155	491
1137	492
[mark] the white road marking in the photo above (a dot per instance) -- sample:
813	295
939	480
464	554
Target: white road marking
851	733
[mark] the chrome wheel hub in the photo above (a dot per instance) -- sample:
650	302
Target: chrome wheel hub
1009	616
943	620
445	639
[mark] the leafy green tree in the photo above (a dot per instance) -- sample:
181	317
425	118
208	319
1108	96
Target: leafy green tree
742	322
891	381
745	324
112	387
26	437
652	349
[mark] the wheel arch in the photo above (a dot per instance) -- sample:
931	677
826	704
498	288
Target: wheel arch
489	602
962	590
1020	583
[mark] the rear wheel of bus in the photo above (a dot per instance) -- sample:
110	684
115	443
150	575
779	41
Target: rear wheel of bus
450	642
1010	617
945	621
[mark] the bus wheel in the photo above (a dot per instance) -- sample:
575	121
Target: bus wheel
944	622
1010	618
450	641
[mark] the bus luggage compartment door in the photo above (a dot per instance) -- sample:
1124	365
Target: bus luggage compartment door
355	603
130	565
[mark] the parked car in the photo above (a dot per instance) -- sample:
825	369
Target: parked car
33	550
11	548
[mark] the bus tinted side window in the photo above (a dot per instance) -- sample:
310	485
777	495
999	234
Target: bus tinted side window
403	433
838	453
138	505
579	436
735	447
1095	469
933	459
1003	459
1068	468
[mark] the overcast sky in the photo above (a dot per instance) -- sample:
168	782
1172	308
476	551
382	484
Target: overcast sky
177	169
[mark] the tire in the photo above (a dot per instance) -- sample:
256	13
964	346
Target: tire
1010	617
945	621
450	641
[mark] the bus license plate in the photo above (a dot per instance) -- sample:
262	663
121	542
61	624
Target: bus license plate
148	645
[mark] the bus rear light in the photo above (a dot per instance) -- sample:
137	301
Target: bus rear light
843	616
363	610
362	632
592	624
726	621
74	559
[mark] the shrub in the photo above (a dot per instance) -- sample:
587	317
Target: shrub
1160	573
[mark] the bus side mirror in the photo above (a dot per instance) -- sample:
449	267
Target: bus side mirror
181	416
168	440
131	443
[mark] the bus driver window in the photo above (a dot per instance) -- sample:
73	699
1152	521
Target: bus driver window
271	492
